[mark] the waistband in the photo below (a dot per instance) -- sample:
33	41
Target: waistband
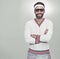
38	52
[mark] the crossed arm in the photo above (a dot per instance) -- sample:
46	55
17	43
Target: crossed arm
35	39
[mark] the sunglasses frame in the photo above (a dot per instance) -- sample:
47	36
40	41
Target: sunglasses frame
39	9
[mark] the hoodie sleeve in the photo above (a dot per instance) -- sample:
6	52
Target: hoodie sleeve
46	37
27	34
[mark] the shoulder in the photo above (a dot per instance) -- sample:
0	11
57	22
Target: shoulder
49	21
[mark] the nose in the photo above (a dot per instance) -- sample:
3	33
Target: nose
39	11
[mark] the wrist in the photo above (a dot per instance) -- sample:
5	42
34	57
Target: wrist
37	39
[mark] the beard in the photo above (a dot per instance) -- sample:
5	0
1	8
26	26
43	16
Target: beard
39	16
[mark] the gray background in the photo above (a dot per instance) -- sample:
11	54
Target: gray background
13	15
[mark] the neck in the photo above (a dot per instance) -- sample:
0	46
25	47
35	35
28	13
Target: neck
39	19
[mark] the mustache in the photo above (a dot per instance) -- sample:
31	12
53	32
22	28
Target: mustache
39	13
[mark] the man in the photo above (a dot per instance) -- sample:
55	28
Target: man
38	33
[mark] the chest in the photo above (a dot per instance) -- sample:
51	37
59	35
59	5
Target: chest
35	29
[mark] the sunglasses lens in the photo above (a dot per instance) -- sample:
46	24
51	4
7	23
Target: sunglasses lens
39	9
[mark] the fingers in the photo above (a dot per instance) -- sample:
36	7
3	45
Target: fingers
33	35
46	31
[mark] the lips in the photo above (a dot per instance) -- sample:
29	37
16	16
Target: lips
39	14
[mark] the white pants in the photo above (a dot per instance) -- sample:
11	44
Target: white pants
38	56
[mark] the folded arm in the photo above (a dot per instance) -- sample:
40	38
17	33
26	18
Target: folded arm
35	39
27	34
47	34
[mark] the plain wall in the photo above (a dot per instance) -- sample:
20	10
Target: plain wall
13	15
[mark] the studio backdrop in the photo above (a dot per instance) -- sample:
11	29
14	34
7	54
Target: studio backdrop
13	15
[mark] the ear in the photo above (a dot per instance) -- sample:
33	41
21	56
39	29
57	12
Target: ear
44	11
34	11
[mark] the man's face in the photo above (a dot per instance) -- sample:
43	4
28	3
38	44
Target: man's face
39	12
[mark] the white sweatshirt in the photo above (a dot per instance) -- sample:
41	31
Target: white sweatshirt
31	27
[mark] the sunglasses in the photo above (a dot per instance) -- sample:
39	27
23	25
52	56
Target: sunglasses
39	10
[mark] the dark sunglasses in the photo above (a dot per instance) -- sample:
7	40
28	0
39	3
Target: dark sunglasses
39	9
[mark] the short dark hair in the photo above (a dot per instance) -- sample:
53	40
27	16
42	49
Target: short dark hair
39	3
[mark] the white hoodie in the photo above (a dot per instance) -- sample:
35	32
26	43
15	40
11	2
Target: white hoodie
31	27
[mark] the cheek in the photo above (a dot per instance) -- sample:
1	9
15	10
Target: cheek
35	12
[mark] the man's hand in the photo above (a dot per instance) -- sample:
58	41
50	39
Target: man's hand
36	37
33	36
37	40
46	31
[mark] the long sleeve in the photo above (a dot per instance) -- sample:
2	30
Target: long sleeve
46	37
27	34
